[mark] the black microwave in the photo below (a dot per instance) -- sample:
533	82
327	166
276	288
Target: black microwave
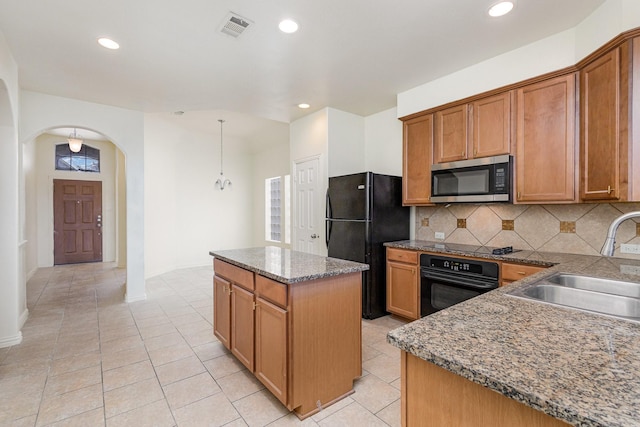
487	179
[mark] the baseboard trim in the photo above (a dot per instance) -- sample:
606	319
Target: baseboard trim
23	318
10	341
128	299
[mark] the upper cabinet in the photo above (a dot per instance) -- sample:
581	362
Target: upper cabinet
607	133
491	125
417	156
546	141
451	134
478	129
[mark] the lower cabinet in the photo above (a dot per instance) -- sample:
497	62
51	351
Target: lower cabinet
271	348
403	283
302	341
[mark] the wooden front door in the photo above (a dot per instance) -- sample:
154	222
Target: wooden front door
77	219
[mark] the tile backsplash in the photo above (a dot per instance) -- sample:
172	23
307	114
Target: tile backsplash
578	229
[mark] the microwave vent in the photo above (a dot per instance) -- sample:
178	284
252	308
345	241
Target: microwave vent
234	25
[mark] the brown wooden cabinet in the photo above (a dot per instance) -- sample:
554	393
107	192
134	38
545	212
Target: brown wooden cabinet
609	161
451	133
491	125
510	272
546	141
434	396
271	348
417	156
403	283
286	333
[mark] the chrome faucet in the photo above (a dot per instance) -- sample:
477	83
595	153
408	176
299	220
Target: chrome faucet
610	241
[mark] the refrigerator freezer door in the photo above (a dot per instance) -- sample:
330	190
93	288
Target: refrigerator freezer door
347	197
347	240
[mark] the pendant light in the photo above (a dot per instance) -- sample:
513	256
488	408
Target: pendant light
75	142
222	182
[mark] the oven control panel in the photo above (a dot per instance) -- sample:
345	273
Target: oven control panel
461	265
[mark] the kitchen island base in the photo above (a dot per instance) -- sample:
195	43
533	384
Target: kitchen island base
301	338
433	396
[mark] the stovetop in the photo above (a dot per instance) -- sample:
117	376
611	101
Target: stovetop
472	249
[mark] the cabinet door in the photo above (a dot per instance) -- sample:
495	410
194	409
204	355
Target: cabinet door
491	128
600	147
403	290
242	328
546	142
512	272
451	134
222	310
416	160
271	348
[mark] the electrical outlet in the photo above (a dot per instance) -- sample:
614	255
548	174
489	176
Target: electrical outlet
626	248
439	235
633	270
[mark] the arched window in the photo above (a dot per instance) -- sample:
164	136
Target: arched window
86	160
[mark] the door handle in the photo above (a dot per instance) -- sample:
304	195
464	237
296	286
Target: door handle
314	236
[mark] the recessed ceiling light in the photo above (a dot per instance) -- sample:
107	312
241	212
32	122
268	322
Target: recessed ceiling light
108	43
500	9
303	105
288	26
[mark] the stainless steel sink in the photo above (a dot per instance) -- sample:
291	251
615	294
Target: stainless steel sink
604	296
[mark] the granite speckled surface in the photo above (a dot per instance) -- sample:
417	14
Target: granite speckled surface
287	266
579	367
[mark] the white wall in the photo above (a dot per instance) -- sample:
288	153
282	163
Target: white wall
125	128
552	53
268	163
45	174
345	136
13	307
383	143
186	217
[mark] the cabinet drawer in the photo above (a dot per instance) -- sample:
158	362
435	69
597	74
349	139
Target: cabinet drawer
512	272
237	275
271	290
402	255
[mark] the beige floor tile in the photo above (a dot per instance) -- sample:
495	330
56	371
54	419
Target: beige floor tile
29	421
166	355
156	321
239	385
190	390
213	411
156	331
94	418
374	394
384	367
339	405
163	341
391	414
70	364
22	405
369	352
292	420
119	344
184	316
210	350
128	374
353	415
200	337
70	381
156	414
223	365
123	358
179	370
397	383
59	407
132	396
260	408
108	334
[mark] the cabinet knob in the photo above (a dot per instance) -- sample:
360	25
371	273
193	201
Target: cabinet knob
610	190
518	196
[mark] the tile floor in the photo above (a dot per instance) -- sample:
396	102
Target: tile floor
89	359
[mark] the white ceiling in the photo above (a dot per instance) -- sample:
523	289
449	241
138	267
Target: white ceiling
353	55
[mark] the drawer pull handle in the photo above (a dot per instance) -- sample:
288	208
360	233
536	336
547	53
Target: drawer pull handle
522	273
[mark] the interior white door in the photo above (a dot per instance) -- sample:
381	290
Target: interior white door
308	210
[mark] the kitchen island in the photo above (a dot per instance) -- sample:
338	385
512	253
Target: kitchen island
496	356
294	320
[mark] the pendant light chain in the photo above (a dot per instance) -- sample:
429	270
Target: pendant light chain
221	122
222	182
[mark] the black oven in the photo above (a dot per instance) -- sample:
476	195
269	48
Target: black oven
445	281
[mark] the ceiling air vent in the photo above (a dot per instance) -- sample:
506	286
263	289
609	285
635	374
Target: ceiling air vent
234	25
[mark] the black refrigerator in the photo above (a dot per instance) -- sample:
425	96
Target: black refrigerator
364	210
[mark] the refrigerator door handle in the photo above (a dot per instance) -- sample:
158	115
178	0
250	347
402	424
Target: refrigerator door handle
327	232
328	209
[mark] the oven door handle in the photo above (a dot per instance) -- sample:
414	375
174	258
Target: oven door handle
459	280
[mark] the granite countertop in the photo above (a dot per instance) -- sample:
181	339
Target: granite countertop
287	266
579	367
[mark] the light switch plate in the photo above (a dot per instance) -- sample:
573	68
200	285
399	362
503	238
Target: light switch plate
626	248
439	235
